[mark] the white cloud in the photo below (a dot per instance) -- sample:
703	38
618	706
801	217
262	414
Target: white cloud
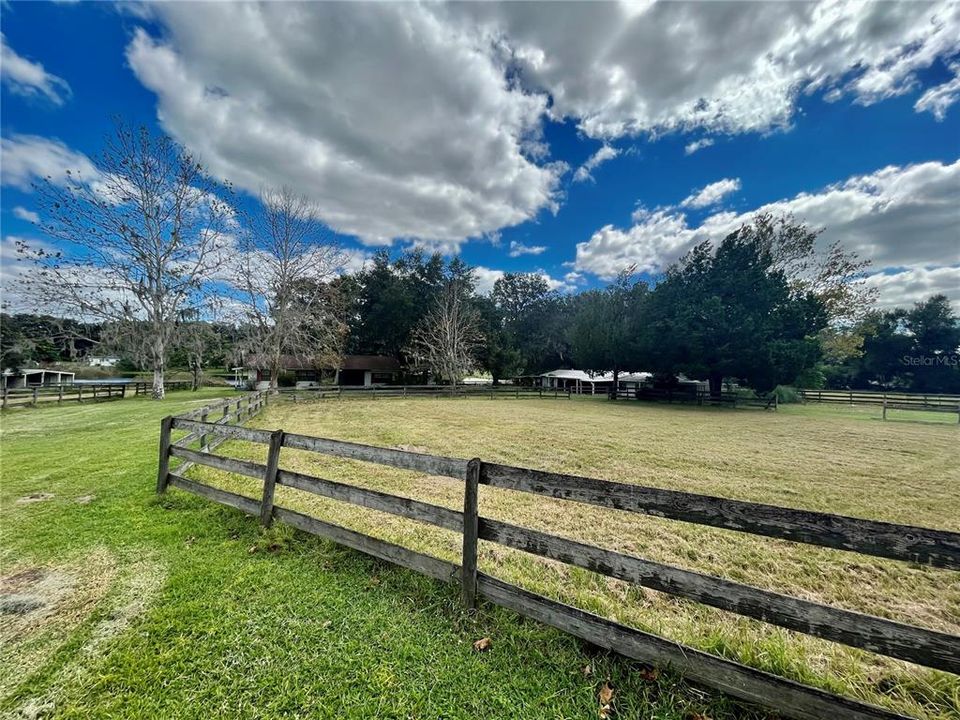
486	278
897	217
28	215
937	100
904	286
29	79
399	124
584	172
517	249
354	260
696	145
712	193
634	67
27	158
424	122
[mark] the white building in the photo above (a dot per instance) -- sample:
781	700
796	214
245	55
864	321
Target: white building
102	361
36	377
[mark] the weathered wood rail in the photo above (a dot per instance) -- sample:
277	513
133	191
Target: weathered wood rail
699	397
919	402
937	548
146	388
374	392
77	392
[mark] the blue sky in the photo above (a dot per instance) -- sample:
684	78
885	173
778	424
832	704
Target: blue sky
467	128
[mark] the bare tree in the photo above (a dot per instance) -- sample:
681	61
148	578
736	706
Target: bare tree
141	239
447	338
288	304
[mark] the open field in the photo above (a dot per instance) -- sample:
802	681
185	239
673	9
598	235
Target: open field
149	605
149	601
838	460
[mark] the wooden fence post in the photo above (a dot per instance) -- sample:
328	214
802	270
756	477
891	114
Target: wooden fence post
204	439
884	406
270	477
60	394
226	411
163	467
471	493
35	393
4	396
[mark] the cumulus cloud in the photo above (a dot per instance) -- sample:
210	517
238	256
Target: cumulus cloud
937	100
424	122
26	158
727	67
487	277
696	145
584	172
517	249
904	218
28	215
30	79
399	124
712	193
904	286
896	217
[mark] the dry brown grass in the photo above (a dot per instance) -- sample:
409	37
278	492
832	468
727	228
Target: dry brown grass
834	460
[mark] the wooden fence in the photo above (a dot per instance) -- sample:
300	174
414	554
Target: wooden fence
393	391
146	388
79	392
699	397
920	402
936	548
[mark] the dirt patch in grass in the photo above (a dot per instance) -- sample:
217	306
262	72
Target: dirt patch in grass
56	620
34	498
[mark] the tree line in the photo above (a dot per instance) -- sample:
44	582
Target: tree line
156	263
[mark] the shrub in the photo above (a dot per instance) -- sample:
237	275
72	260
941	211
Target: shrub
787	394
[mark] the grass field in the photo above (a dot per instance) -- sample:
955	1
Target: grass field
179	608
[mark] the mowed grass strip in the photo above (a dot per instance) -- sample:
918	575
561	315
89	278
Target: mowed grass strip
826	458
179	608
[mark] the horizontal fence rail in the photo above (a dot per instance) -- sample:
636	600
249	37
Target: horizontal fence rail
77	392
699	397
376	392
899	640
870	537
918	402
146	388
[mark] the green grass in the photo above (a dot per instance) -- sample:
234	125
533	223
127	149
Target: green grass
827	458
176	607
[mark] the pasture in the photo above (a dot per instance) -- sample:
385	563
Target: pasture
152	603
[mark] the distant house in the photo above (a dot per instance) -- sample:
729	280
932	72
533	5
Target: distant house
36	377
355	370
576	381
581	382
108	361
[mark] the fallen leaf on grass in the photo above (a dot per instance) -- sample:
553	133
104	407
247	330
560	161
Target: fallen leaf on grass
587	670
649	674
700	716
251	550
482	645
606	694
